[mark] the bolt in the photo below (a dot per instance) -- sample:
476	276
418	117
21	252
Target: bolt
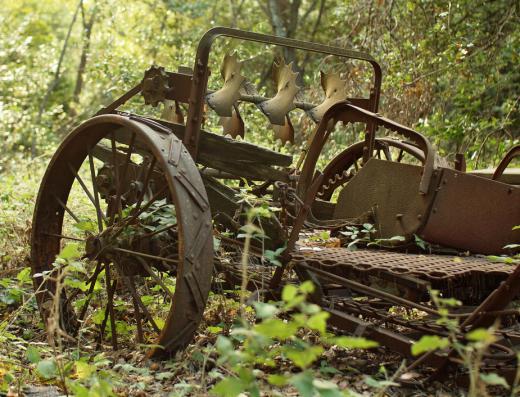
419	216
398	216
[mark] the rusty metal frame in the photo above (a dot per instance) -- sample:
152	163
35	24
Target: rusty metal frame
348	113
201	73
510	155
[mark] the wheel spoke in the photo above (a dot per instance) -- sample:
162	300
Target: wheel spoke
158	231
157	279
84	187
125	170
99	213
400	155
62	236
146	182
142	254
67	209
387	153
105	318
130	285
110	305
116	172
138	320
134	216
92	282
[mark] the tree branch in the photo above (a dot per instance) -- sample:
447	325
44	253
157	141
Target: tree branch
52	85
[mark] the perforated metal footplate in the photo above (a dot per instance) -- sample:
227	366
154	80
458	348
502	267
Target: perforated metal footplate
466	278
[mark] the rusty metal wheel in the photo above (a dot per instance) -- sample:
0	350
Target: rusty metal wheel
346	164
130	199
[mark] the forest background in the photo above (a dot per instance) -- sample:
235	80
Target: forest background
450	70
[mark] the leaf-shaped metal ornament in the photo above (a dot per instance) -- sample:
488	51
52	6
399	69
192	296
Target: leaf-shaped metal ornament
233	125
222	101
335	91
283	102
284	132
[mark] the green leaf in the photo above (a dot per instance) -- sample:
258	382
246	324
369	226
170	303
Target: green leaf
265	310
289	292
304	358
277	380
214	330
318	322
33	354
494	379
164	375
307	287
228	387
224	345
24	276
480	335
86	226
84	370
276	328
326	388
47	369
379	384
70	251
353	342
429	343
303	383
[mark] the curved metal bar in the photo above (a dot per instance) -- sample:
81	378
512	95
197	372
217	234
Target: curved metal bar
201	72
354	152
514	152
347	113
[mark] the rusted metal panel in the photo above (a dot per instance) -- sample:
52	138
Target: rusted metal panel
390	192
473	213
467	278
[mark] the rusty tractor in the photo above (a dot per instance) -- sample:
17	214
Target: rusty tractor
156	190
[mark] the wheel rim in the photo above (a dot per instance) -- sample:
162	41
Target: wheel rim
130	254
346	164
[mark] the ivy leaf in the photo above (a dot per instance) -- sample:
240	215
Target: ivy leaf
429	343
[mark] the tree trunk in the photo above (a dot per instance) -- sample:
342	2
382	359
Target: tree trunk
87	30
